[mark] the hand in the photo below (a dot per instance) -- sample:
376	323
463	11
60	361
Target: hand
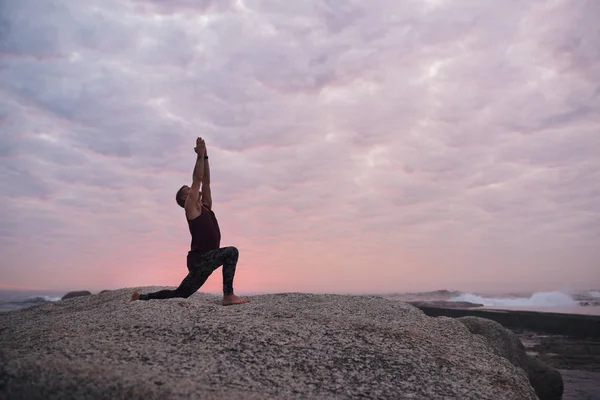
200	146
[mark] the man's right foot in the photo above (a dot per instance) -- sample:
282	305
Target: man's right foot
135	296
232	299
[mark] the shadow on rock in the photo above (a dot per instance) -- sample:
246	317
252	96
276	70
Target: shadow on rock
546	381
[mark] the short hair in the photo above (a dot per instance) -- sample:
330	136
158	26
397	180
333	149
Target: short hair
178	197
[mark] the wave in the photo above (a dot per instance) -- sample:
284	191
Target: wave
40	299
541	299
27	302
594	293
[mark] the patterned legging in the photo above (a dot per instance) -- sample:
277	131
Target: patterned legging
199	271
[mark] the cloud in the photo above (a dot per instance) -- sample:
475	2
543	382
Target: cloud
411	135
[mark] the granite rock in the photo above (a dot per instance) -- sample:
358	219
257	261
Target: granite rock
279	346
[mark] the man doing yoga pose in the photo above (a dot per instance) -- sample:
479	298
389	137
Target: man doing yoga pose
205	254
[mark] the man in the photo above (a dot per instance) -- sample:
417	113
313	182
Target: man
205	254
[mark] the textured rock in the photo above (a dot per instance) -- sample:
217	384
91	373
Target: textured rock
79	293
285	346
547	381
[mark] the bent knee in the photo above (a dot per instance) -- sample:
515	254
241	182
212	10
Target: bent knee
233	251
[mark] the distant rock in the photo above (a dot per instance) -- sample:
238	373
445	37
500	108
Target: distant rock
547	381
436	295
445	304
279	346
79	293
104	291
589	303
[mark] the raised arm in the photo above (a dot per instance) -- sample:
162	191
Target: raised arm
206	192
192	205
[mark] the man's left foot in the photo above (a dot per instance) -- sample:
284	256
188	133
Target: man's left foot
232	299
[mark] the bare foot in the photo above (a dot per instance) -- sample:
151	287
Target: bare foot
232	299
135	296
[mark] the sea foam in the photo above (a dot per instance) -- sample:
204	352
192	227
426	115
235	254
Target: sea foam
540	299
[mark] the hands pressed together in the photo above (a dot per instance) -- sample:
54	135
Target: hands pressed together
200	148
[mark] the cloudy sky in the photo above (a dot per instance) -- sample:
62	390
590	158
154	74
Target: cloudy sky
355	146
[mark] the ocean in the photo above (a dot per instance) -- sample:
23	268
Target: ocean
586	302
13	299
582	302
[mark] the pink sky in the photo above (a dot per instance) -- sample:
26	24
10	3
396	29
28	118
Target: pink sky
355	146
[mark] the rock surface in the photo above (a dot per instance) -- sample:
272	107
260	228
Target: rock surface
79	293
578	361
563	352
575	325
581	385
547	381
285	346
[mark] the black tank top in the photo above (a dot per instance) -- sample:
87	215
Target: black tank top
206	235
